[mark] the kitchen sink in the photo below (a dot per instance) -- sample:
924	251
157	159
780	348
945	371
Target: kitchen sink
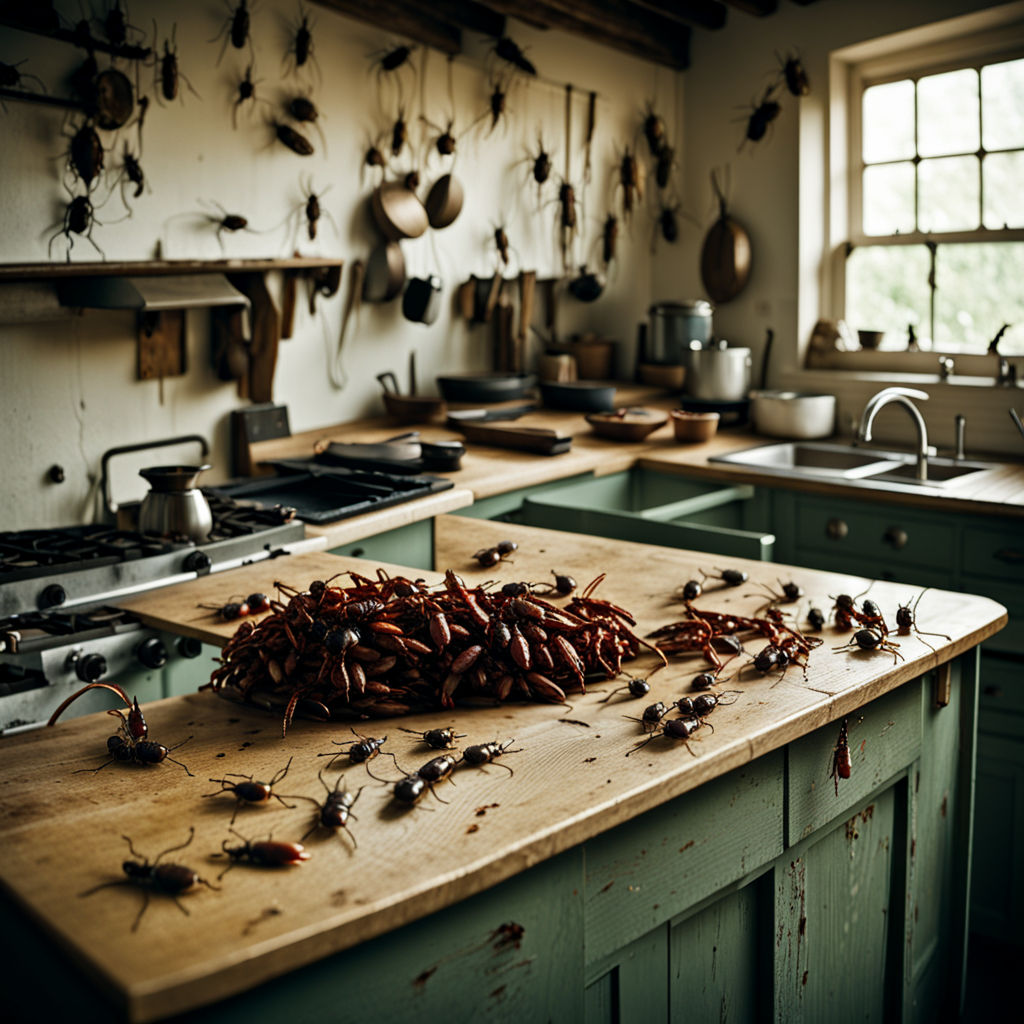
844	462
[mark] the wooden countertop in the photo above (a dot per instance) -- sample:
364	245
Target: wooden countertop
489	471
410	862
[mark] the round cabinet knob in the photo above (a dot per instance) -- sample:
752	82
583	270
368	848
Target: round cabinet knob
52	596
90	668
896	537
196	561
189	647
152	653
836	529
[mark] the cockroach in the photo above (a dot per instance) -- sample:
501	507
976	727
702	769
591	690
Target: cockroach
763	114
729	577
673	729
302	108
312	209
668	222
841	765
412	181
78	220
636	687
789	593
629	179
335	810
249	791
437	769
131	743
506	547
83	81
508	50
567	202
702	681
770	658
497	103
258	603
245	93
795	76
564	583
501	243
133	172
360	750
609	238
85	154
654	132
230	222
481	754
437	739
374	157
690	590
872	638
445	141
651	715
12	78
394	59
264	853
230	611
115	25
409	790
815	618
399	134
303	42
663	166
170	73
235	29
167	879
906	621
295	141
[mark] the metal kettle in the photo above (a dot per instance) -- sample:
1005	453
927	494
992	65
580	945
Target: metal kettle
174	505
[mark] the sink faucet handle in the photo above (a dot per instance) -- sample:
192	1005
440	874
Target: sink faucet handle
921	396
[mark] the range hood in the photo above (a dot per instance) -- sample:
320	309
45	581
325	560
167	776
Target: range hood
150	293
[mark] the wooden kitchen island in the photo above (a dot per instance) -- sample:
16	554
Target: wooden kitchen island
731	880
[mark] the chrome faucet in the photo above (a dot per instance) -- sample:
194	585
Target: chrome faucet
901	396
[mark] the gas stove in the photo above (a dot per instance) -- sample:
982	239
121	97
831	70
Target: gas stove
59	628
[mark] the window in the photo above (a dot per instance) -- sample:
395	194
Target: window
936	199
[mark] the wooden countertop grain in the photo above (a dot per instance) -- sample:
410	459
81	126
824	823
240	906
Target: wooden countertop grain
408	862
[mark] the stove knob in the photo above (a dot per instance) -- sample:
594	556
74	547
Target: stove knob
52	596
189	647
90	667
152	652
196	561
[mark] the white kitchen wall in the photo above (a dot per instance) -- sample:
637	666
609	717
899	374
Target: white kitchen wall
67	386
778	193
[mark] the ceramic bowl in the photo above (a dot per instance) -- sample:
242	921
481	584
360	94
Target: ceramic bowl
691	427
626	424
414	408
578	396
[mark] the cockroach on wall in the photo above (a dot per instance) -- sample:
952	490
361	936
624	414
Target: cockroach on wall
236	29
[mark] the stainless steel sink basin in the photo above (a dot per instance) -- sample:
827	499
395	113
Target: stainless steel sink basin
844	462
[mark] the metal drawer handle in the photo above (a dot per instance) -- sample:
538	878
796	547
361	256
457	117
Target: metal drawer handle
836	529
1011	555
895	537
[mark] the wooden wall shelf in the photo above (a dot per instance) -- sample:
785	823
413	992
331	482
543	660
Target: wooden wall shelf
151	268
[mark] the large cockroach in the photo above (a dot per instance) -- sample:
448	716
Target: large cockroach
115	25
508	50
496	105
399	134
170	73
631	182
374	157
78	220
609	238
12	78
654	131
445	141
246	93
132	170
394	59
224	221
312	208
668	223
664	165
794	75
169	879
294	140
567	204
301	49
85	154
540	166
763	114
302	108
236	29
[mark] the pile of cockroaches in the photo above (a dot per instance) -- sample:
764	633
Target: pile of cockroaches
392	646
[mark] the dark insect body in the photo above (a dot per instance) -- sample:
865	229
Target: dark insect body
374	157
691	590
399	134
264	853
167	879
394	59
673	729
762	116
609	237
437	739
906	621
497	104
816	618
841	766
488	557
295	141
249	791
410	789
170	74
651	715
564	584
12	78
501	243
787	594
335	810
115	25
360	750
872	638
567	202
508	50
445	141
236	29
302	108
131	743
702	681
668	222
132	170
663	166
488	753
636	687
246	93
795	76
541	165
629	179
412	180
654	132
85	154
730	577
303	43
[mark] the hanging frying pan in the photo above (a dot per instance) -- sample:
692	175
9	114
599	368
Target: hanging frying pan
398	211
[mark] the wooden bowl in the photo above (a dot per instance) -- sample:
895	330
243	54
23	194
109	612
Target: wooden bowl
691	427
626	424
414	408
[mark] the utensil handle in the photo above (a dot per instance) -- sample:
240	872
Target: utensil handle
141	446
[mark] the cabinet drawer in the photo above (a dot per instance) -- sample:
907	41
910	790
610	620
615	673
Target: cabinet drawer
995	551
1010	638
884	737
887	535
1001	698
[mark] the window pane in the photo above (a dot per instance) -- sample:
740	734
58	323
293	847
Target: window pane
947	113
887	289
888	122
977	291
1004	190
1002	104
888	197
948	197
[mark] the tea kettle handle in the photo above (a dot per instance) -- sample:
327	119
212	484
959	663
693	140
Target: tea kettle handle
142	446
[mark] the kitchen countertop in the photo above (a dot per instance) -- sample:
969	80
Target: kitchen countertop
490	471
265	923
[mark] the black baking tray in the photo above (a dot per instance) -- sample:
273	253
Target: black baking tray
327	495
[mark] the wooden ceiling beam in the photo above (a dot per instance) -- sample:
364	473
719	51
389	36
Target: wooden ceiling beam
467	14
616	23
709	14
413	21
